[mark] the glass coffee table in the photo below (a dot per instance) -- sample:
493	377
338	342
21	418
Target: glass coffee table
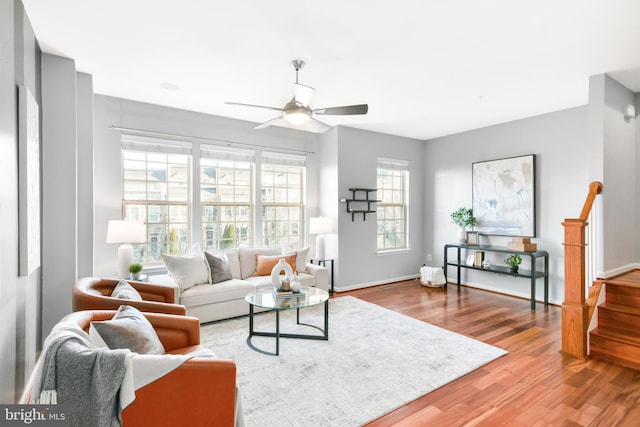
264	298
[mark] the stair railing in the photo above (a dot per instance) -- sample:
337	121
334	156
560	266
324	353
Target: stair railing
575	308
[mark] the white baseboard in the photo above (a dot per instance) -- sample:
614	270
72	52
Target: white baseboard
523	295
616	271
377	282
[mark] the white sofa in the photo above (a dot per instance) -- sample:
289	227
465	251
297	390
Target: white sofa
210	302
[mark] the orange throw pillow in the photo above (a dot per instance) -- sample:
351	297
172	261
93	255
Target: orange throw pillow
265	263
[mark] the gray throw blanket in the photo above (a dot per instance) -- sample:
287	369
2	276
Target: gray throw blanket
87	379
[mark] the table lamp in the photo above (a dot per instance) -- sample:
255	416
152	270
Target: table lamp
125	232
320	226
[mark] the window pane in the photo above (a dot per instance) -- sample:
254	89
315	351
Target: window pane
391	212
282	193
156	191
226	194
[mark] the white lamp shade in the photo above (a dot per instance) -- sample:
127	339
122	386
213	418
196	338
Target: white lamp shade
320	225
125	231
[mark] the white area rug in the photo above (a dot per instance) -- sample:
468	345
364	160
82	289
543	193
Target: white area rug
375	361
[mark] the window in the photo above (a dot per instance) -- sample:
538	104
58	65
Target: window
226	194
282	197
196	192
393	178
156	192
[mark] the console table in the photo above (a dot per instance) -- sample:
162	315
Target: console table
532	274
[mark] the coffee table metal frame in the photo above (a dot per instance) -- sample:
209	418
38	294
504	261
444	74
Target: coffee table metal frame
297	303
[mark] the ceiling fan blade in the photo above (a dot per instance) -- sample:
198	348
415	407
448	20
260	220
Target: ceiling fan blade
268	123
315	126
346	110
253	105
303	94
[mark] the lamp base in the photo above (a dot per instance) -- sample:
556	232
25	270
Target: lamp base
125	259
320	246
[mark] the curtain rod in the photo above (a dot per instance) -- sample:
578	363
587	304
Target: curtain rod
215	141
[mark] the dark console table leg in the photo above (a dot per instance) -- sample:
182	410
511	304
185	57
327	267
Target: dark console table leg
459	261
533	282
277	332
546	281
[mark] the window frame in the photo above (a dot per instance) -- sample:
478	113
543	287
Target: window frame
291	165
196	203
397	169
144	251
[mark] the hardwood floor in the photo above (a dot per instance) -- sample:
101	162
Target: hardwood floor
533	385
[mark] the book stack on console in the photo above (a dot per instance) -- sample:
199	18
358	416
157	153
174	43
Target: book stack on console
522	244
478	257
280	295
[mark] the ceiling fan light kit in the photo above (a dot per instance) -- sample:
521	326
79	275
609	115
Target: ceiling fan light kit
297	111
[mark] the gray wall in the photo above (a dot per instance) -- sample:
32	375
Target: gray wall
358	263
557	139
59	187
19	295
614	160
619	194
637	176
67	173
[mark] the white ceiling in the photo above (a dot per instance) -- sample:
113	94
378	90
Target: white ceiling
425	67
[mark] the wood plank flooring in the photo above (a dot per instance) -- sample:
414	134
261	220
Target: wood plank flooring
534	385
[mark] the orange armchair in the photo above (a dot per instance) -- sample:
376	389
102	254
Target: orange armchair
94	293
201	392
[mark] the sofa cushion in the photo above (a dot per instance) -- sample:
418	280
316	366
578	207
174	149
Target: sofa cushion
306	279
301	257
218	267
234	263
187	270
123	290
248	259
220	292
128	329
266	263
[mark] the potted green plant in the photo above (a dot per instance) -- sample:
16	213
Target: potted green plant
135	270
513	261
463	218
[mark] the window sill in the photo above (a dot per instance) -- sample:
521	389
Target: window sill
393	252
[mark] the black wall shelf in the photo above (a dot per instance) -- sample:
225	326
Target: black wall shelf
359	202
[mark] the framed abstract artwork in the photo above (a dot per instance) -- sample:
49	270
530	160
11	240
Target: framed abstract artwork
504	196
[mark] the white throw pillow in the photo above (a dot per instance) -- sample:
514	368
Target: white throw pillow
301	257
188	270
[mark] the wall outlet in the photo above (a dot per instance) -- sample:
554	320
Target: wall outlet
429	257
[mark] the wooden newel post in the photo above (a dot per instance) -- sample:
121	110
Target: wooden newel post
575	311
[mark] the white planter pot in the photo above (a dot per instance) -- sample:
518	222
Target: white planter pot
462	235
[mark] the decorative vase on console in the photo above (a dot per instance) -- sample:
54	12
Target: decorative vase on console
282	265
463	218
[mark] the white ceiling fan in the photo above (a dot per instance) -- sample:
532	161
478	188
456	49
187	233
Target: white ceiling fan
297	111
